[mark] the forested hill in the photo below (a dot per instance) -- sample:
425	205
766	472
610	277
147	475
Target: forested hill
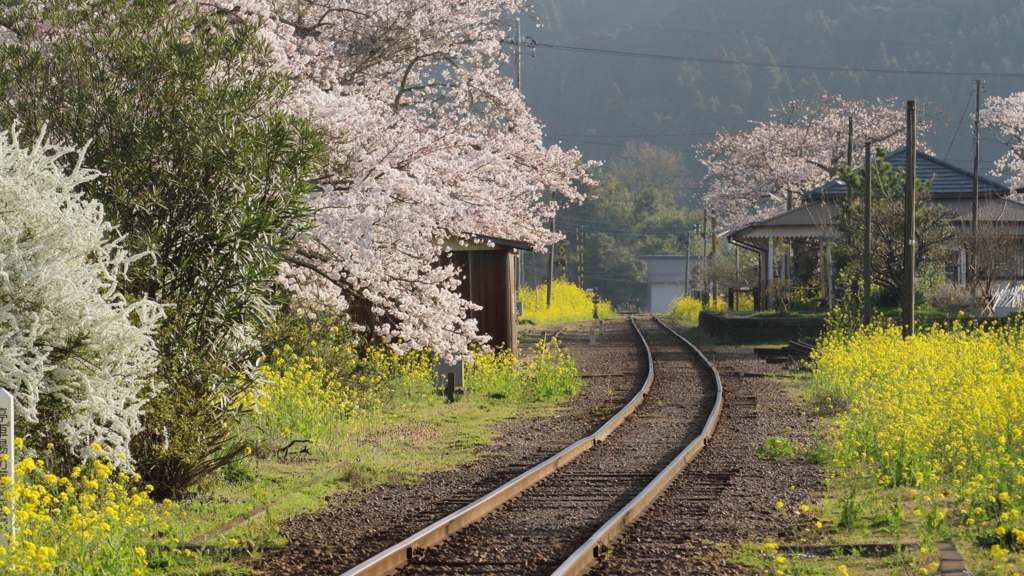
600	101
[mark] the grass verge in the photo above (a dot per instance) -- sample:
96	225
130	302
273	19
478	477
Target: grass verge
394	429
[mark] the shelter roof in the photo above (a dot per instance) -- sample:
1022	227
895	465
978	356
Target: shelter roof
812	220
481	242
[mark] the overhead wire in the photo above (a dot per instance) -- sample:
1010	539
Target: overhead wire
962	116
774	36
606	52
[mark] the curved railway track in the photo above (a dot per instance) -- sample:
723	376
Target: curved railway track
560	516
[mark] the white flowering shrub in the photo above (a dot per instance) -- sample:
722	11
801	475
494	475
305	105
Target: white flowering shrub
71	347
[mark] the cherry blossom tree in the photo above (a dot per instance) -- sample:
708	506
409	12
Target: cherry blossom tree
1005	117
428	140
759	172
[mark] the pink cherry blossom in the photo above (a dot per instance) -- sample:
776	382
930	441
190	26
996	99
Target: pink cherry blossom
763	171
1005	116
428	141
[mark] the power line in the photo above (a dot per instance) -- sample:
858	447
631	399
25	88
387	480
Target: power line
630	135
603	52
962	116
617	225
744	34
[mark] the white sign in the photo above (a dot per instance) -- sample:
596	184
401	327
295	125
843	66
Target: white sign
7	451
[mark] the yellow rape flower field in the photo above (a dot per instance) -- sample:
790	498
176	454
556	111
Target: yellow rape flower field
569	303
926	441
95	520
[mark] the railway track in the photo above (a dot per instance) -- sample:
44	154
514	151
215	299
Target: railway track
560	516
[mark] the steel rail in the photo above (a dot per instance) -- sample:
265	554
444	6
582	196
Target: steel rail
398	554
586	555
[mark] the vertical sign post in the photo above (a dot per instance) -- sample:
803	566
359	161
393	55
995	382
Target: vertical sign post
7	454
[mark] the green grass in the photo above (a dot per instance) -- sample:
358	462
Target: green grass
412	432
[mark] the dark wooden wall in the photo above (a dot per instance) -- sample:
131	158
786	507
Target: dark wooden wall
489	280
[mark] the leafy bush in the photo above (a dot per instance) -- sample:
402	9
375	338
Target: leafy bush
201	169
569	303
688	309
776	447
685	308
75	353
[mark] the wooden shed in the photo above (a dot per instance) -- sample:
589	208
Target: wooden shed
489	280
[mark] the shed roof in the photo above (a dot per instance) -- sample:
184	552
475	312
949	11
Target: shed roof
481	242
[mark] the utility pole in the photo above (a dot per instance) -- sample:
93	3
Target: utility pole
521	273
909	241
977	153
849	144
579	255
867	233
713	281
519	56
551	254
704	255
686	269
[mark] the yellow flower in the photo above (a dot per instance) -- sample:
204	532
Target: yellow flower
779	505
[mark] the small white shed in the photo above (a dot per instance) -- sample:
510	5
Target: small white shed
666	278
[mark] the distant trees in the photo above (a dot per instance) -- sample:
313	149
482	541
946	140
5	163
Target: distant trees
758	172
644	166
635	208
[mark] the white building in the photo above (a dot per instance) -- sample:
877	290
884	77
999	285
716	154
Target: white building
666	278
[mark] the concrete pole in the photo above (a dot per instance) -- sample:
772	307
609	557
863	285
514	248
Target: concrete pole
686	271
551	256
770	271
909	224
867	233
